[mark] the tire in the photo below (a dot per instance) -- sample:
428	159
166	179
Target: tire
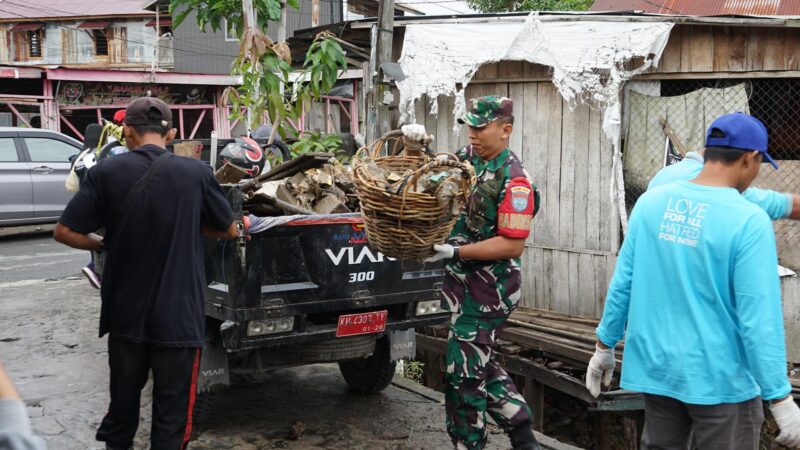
330	350
370	375
203	407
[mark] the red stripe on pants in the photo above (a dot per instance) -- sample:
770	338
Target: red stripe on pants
192	396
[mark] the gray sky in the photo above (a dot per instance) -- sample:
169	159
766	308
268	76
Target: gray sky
429	7
437	7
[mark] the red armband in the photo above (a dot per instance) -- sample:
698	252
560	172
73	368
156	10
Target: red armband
515	213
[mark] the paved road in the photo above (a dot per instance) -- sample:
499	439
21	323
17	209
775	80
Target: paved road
37	257
49	345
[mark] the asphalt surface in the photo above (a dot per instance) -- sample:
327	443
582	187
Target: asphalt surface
29	257
49	345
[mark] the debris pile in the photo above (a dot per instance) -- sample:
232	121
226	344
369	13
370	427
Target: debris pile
444	183
312	183
318	183
325	190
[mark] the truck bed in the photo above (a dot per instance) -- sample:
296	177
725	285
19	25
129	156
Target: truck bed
314	269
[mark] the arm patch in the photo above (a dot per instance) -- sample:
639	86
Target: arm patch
515	213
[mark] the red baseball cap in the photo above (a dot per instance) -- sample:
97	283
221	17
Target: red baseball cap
119	116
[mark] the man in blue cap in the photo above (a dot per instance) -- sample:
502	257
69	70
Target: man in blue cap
696	287
778	205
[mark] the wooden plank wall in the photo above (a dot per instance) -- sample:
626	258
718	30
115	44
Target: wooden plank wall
791	317
571	253
698	49
5	44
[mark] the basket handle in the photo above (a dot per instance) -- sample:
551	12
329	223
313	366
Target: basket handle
377	146
436	164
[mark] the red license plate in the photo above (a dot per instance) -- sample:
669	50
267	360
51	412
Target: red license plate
364	323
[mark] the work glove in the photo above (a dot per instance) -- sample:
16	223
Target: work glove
246	223
415	137
443	251
601	367
246	226
787	415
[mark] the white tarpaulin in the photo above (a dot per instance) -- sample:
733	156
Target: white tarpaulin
590	61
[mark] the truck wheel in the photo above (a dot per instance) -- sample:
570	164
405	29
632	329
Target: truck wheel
203	406
370	375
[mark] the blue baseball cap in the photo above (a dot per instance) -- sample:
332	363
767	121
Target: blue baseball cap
741	131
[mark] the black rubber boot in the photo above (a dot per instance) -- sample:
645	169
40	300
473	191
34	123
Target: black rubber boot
522	438
111	447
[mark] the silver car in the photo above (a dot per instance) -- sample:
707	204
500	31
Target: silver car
34	165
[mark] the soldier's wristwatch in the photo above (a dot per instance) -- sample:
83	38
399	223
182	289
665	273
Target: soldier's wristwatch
456	252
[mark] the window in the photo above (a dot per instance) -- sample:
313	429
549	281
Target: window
100	42
34	39
49	150
230	31
8	151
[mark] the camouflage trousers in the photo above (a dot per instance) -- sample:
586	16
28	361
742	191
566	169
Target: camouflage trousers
476	385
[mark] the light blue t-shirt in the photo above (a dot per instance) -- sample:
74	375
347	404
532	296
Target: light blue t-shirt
778	205
696	283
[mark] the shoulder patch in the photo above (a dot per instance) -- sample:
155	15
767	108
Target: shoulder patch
516	211
519	197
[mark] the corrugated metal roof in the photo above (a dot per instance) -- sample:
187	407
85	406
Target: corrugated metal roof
49	9
26	27
94	25
703	7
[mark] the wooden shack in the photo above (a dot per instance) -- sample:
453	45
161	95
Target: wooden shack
572	252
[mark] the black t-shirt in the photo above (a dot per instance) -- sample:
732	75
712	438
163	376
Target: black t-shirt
153	278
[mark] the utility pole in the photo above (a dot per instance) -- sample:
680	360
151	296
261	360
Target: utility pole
281	39
314	13
282	23
249	21
378	114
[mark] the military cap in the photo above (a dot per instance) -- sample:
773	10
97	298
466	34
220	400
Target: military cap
483	110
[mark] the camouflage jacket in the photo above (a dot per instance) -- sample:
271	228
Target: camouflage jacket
481	294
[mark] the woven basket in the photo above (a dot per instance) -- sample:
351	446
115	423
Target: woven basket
405	223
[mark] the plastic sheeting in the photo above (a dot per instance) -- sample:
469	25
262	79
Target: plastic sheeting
590	61
688	115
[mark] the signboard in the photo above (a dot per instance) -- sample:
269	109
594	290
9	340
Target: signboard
100	94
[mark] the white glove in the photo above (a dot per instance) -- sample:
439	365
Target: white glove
601	367
444	251
787	415
415	137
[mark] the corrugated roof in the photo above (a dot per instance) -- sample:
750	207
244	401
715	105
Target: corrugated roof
703	7
49	9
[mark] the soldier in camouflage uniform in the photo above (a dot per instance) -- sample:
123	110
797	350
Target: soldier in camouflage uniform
482	281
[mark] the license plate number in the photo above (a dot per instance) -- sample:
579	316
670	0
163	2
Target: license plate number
363	323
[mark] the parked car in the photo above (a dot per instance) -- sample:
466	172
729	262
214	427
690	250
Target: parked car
34	165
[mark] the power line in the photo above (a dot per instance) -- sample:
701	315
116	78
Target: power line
662	7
